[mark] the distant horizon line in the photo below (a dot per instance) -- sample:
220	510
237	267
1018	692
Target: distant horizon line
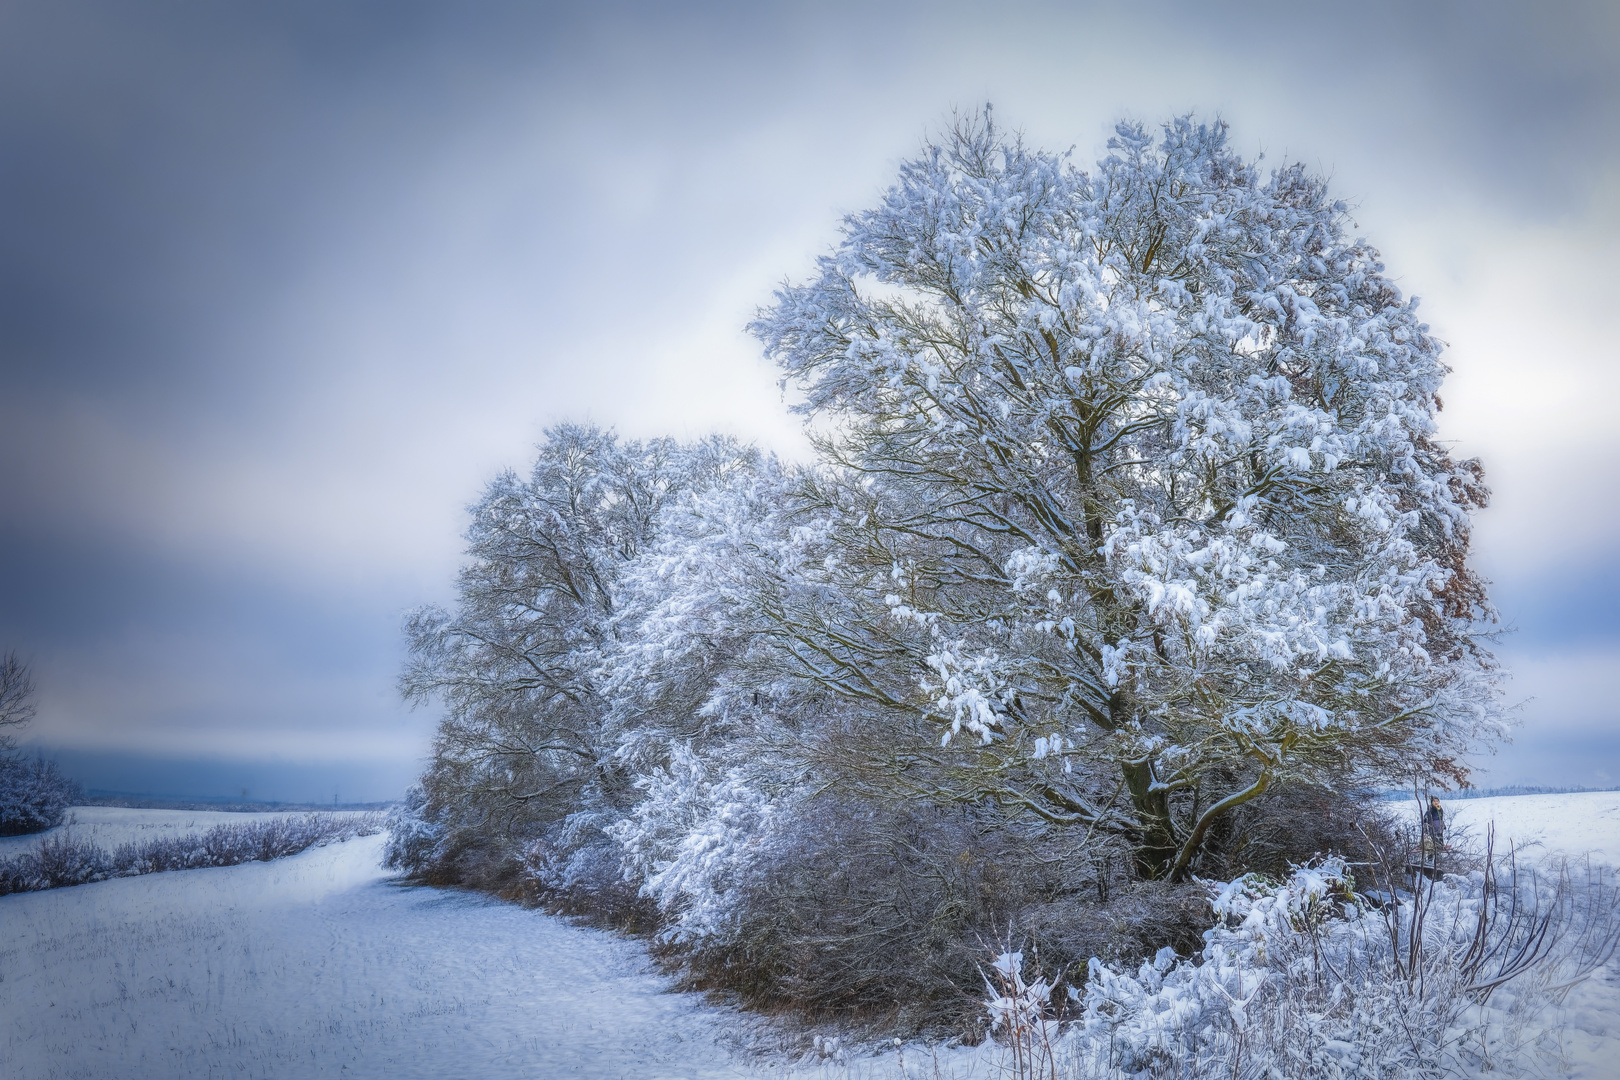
1394	794
144	800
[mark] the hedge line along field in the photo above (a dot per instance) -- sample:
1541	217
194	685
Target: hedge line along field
63	859
110	826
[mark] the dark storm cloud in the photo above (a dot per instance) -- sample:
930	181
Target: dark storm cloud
280	284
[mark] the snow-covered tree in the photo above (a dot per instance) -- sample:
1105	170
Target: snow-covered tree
1130	553
1134	474
518	664
691	666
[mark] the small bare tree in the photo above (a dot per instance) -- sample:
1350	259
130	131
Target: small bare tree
16	697
34	794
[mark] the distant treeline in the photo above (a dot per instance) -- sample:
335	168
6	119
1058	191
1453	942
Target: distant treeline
99	797
1491	793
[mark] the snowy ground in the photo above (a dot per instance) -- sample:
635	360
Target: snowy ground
1575	824
318	966
109	826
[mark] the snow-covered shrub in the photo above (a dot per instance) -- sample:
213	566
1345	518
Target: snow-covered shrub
692	840
1137	919
63	860
1293	825
578	868
413	833
34	795
1021	1017
1307	979
856	910
874	913
59	860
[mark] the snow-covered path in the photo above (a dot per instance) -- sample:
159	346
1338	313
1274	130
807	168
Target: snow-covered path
318	966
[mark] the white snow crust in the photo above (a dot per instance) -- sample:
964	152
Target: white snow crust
1574	824
1592	1027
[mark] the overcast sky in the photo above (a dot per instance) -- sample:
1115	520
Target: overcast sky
283	285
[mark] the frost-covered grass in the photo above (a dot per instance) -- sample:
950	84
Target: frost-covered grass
63	858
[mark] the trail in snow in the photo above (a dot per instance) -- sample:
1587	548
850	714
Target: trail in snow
317	966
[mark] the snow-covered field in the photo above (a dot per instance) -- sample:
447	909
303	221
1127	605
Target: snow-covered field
318	965
1575	824
109	826
1579	823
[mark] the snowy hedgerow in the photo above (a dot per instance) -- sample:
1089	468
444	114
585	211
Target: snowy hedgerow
61	860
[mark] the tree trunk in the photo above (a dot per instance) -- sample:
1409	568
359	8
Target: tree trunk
1156	846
